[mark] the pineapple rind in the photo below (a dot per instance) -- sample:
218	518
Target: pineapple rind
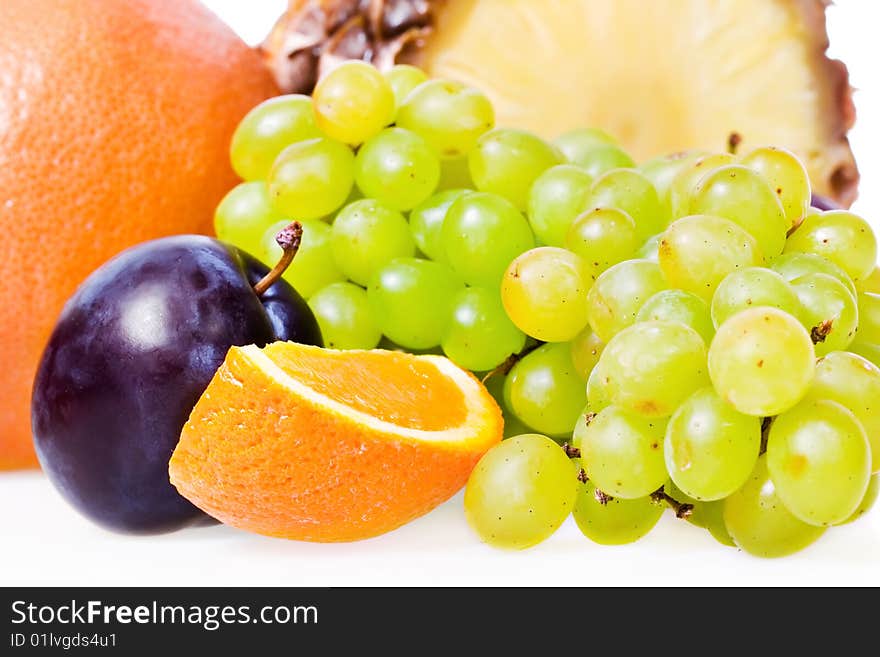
662	76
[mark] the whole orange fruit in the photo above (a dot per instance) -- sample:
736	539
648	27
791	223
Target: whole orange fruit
115	121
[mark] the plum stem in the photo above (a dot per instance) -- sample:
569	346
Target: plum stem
289	239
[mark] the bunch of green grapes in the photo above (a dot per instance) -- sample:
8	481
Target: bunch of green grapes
687	333
730	343
413	206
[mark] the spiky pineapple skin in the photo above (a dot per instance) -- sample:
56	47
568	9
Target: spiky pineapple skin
315	35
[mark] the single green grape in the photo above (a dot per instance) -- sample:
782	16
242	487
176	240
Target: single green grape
761	361
650	368
869	318
711	449
678	496
481	234
244	215
703	514
684	185
353	102
630	191
544	292
397	168
661	171
506	162
603	237
366	236
411	301
682	307
311	179
545	391
794	265
598	396
597	158
557	197
829	312
426	222
870	352
403	78
577	144
842	237
586	347
593	150
619	293
614	521
520	492
710	516
513	426
622	453
787	177
480	336
760	524
872	283
819	460
698	252
268	129
455	174
867	501
853	382
742	196
449	115
313	267
344	316
753	286
650	250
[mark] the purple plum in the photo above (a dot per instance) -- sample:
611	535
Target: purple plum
132	352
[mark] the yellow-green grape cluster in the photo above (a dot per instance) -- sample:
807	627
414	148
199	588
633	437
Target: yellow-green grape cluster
365	164
685	333
728	334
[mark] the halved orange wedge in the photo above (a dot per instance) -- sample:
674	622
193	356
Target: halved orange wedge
314	444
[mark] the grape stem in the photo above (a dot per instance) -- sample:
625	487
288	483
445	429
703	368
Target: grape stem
797	224
733	142
819	332
681	509
765	432
504	368
601	497
289	239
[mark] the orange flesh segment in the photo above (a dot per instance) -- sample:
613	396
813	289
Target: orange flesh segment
265	452
389	386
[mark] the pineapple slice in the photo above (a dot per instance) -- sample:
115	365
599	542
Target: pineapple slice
661	76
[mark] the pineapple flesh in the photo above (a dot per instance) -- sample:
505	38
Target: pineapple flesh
661	76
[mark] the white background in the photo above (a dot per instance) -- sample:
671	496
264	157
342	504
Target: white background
43	542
